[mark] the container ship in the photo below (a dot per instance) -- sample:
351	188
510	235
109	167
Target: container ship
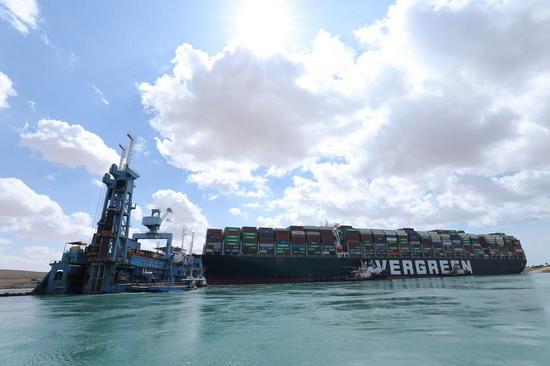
251	255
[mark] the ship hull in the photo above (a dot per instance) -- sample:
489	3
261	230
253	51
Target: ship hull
240	269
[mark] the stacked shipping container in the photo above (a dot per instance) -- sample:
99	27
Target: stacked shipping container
351	240
476	246
437	245
327	241
313	239
501	247
447	245
232	240
380	247
266	240
467	245
391	242
403	243
214	239
426	243
457	245
367	242
509	245
249	240
414	240
282	242
298	240
518	249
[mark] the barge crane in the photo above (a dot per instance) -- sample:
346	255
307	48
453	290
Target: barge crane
114	262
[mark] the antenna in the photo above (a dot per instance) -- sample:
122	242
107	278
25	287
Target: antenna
190	255
122	156
182	238
192	241
130	150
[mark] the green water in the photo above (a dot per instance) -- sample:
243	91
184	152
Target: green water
501	320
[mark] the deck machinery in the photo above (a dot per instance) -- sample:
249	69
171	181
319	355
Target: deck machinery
114	262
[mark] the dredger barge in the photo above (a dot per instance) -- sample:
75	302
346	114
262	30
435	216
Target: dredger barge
116	262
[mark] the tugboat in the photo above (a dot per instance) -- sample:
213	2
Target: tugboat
458	271
367	271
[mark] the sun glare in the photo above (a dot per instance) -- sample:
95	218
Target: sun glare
264	26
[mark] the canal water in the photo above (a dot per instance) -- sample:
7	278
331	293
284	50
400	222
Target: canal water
496	320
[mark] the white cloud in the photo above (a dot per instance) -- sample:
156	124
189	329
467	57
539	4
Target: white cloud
235	211
440	118
100	94
252	205
6	90
4	241
21	14
70	145
36	216
437	199
186	215
30	258
52	176
224	116
98	182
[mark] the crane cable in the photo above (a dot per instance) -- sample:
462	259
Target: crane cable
94	223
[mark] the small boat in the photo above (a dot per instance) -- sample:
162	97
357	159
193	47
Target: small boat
367	271
458	271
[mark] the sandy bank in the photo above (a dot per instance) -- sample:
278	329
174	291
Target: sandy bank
19	279
538	269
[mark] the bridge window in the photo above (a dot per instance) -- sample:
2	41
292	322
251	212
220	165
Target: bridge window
58	276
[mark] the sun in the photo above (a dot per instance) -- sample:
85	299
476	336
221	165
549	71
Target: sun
264	26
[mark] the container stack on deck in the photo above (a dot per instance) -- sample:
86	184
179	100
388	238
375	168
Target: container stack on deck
437	245
367	243
380	247
414	240
403	243
298	240
509	245
282	242
457	245
485	246
391	242
518	249
426	243
313	240
327	241
214	239
232	240
266	240
492	248
476	246
447	244
249	240
351	240
466	245
500	245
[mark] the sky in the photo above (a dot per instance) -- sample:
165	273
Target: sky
379	114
